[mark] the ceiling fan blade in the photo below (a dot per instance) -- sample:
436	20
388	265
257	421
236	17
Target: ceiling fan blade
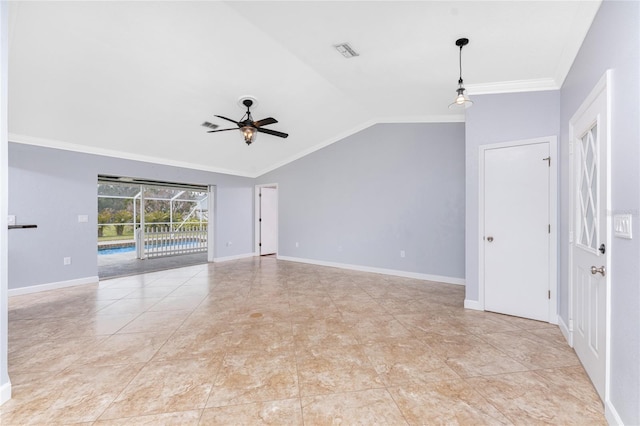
265	121
221	130
228	119
272	132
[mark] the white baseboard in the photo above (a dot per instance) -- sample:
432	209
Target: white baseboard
5	392
52	286
394	272
473	304
235	257
566	332
611	414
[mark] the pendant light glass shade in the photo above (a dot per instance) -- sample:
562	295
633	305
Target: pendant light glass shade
461	101
249	133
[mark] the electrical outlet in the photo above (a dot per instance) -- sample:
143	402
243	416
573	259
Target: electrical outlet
66	261
297	244
401	253
12	219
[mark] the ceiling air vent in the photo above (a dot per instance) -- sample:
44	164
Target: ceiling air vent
346	50
210	125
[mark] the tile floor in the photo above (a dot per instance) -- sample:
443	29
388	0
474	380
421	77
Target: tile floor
261	341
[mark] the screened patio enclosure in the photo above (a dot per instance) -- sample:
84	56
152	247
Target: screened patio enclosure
152	219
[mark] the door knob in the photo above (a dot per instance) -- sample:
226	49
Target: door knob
490	239
595	270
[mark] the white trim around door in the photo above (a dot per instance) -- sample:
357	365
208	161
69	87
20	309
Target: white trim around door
553	221
256	227
593	115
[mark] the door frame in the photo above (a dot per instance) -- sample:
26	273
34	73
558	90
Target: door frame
256	216
553	218
211	224
603	85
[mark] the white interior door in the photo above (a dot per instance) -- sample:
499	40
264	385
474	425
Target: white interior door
268	221
590	255
517	230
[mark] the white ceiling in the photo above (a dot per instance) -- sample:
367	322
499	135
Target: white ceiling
136	79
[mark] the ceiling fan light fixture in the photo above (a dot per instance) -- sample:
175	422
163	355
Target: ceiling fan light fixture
249	133
462	100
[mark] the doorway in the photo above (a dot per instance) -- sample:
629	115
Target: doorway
266	241
590	239
146	226
518	244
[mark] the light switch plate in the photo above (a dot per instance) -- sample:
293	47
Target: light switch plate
622	226
12	219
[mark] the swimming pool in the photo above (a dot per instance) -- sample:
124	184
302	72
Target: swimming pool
116	250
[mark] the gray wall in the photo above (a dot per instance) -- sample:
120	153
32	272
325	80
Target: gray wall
613	42
50	188
388	188
494	119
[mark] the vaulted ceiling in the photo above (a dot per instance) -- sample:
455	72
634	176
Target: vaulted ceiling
136	79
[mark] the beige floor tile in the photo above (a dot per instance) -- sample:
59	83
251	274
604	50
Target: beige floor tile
264	337
380	329
203	342
367	407
254	341
325	333
167	321
85	392
160	387
125	349
449	402
100	325
470	356
180	418
401	361
178	303
527	398
150	291
326	370
255	376
573	381
51	355
433	322
283	412
129	306
532	351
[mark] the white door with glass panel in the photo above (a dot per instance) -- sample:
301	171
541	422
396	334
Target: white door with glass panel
590	238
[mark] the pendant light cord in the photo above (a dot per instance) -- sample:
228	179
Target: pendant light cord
460	64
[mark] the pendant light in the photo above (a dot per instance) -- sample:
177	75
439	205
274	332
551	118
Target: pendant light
462	101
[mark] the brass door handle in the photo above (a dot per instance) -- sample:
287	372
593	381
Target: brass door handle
600	270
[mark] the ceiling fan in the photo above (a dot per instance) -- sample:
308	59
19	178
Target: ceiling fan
247	126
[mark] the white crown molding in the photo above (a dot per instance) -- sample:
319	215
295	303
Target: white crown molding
515	86
360	127
52	143
450	118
